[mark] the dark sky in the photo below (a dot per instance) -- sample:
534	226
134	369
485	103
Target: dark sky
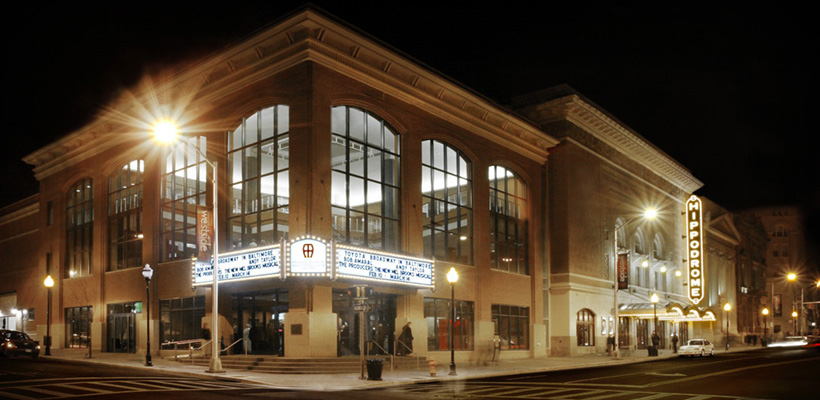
728	92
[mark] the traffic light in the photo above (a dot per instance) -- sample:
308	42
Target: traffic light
360	292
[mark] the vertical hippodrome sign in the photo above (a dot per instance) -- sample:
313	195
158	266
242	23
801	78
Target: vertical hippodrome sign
694	247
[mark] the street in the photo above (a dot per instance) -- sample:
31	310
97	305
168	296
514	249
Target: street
760	374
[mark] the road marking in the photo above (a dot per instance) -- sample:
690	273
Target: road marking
728	371
662	374
90	386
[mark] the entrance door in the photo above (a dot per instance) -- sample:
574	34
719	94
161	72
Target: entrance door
121	327
260	320
380	324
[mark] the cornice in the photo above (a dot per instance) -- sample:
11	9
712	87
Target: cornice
575	110
305	37
23	212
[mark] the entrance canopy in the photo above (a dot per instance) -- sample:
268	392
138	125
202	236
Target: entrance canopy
667	312
314	257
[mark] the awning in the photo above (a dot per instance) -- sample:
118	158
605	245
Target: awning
666	312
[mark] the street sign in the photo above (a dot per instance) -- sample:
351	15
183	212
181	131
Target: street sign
362	307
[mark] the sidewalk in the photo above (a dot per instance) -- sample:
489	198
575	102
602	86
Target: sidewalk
350	381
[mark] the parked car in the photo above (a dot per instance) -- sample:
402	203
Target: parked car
697	347
790	341
13	343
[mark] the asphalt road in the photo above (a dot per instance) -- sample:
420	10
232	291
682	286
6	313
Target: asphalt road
760	374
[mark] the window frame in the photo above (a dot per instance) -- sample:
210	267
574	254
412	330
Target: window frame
80	234
515	322
463	327
125	206
585	328
516	200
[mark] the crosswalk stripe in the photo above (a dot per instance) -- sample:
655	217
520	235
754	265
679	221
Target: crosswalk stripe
4	395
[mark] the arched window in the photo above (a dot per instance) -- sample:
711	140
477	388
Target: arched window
184	186
365	194
657	247
447	202
79	228
125	216
585	327
258	157
508	221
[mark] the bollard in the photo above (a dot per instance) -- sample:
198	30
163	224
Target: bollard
432	364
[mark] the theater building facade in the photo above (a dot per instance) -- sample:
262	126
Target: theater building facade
339	163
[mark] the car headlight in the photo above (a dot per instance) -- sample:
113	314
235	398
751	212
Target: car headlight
10	345
38	347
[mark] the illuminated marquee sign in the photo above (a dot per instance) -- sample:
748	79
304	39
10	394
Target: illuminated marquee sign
694	247
308	256
384	267
247	264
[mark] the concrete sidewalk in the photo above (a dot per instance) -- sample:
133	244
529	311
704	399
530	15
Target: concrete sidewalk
351	381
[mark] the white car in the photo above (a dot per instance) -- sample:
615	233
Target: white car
697	347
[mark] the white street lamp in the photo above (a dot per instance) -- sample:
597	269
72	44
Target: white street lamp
166	132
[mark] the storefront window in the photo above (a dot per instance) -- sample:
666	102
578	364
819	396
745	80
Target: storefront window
258	158
184	186
437	313
365	192
508	221
447	202
79	229
181	319
512	325
125	216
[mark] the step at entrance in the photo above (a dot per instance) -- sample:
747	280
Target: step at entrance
281	365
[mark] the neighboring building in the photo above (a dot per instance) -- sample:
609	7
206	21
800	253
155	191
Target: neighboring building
722	241
752	293
326	139
785	254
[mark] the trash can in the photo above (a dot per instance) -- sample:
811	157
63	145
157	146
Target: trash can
374	369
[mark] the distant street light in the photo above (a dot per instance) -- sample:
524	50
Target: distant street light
654	300
765	326
49	283
147	273
648	214
452	277
727	307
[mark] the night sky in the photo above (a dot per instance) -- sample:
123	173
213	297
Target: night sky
727	92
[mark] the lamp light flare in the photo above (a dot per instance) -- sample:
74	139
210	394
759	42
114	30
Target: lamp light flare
791	276
727	307
165	131
49	282
452	275
650	213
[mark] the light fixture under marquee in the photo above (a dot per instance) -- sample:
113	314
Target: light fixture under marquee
694	248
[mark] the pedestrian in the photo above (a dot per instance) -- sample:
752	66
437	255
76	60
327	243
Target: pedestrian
610	345
405	340
656	340
674	343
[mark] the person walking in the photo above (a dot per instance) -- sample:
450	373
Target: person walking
405	340
656	340
674	343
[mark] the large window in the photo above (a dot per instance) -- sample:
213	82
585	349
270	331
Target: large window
508	221
585	327
365	191
79	228
125	216
78	326
184	186
512	325
258	157
181	319
437	313
447	202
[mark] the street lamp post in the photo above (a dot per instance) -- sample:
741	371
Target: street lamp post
727	307
654	300
650	213
166	132
765	326
452	277
49	283
794	320
147	273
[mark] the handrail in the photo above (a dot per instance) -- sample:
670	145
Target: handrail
232	344
395	349
382	349
191	348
